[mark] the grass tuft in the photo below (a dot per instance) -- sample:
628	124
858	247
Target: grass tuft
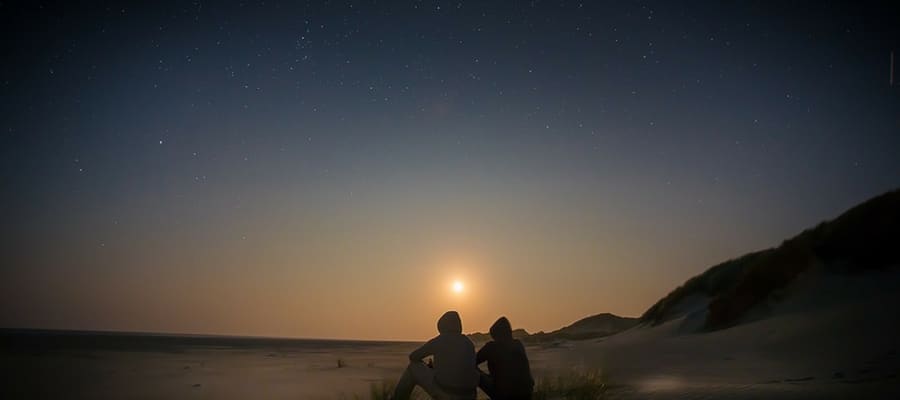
381	390
590	385
385	389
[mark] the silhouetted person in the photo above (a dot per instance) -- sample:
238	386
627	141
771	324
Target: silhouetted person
452	375
509	375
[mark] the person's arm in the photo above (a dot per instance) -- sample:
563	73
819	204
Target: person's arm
422	352
482	354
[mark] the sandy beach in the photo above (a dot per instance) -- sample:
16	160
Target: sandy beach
830	339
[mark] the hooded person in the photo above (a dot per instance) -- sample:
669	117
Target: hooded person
453	374
509	374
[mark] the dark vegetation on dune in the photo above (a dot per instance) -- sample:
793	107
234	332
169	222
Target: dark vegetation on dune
716	280
864	238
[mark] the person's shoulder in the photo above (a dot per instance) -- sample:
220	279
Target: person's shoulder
488	348
450	338
467	341
489	344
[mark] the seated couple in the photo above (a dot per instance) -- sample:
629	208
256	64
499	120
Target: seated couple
454	374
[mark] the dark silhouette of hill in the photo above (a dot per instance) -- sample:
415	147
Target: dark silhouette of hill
599	325
479	337
592	327
864	238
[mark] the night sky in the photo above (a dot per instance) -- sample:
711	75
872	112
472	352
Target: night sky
327	169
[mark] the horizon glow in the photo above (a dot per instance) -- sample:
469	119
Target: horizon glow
325	171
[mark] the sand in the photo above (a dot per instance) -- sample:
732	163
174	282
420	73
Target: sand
829	337
197	373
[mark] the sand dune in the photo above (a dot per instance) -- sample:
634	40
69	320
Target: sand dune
831	336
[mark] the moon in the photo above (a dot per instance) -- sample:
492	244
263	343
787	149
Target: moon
458	287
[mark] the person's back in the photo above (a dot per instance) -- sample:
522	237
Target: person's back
508	367
453	374
454	361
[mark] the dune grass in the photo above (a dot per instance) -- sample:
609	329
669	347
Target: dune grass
381	390
385	389
575	385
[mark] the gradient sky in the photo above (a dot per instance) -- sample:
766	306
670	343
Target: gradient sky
328	169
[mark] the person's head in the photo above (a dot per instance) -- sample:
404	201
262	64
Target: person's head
501	330
450	323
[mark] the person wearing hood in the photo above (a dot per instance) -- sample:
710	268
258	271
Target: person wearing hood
509	374
452	374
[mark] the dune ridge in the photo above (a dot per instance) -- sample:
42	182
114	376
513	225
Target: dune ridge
864	238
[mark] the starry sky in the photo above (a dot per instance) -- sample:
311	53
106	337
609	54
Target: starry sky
327	169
